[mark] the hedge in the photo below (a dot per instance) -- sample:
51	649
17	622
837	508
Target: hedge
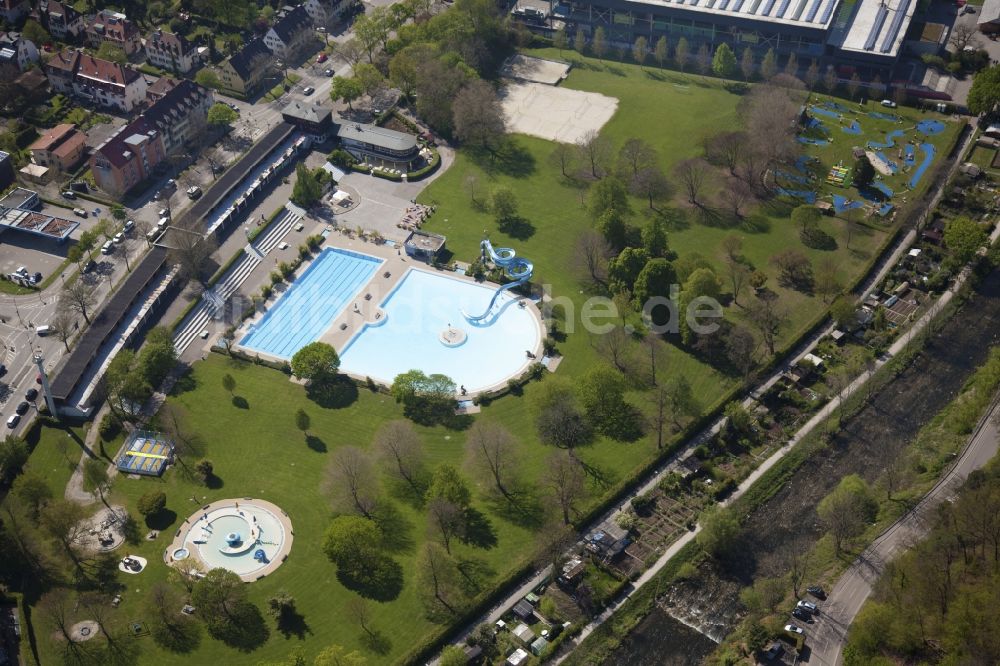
379	173
427	170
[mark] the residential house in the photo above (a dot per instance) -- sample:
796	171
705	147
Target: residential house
180	115
171	52
101	82
32	87
246	71
62	21
127	158
16	54
60	149
326	13
11	11
157	89
291	34
116	28
314	119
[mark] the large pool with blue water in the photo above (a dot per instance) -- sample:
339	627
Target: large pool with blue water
310	305
420	308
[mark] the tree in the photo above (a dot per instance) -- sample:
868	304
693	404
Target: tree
192	250
492	452
207	78
219	594
828	278
741	350
34	32
640	50
205	469
302	421
724	62
661	52
747	64
719	532
346	90
853	86
864	172
351	480
595	152
351	50
984	95
177	632
30	488
963	237
592	254
478	116
79	297
795	269
692	174
281	606
307	189
352	542
830	80
453	655
96	479
769	65
228	383
847	509
220	114
316	362
63	522
398	447
806	217
152	503
599	43
503	203
844	313
564	156
64	323
636	155
426	399
336	656
112	52
437	576
448	484
579	41
768	318
560	40
792	65
602	394
446	519
682	53
566	481
736	194
13	455
370	78
653	280
963	36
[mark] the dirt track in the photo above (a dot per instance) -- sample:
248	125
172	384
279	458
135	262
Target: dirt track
787	523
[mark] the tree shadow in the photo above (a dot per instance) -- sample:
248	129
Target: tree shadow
655	75
523	508
511	159
674	219
376	641
214	482
395	528
479	530
246	630
161	520
185	383
293	623
817	239
476	574
614	70
316	444
381	580
178	637
239	402
517	227
755	224
596	474
336	393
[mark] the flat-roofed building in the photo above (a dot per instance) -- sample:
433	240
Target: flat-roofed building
374	144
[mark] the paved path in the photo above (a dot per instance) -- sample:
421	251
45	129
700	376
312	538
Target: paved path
855	585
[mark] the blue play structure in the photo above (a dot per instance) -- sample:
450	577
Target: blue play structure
260	555
517	269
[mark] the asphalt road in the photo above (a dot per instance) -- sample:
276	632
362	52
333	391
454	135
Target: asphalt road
828	635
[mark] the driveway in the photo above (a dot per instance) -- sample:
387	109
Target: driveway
855	586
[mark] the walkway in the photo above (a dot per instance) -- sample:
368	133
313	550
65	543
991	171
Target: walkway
214	299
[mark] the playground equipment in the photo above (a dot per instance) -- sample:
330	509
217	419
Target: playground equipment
838	175
260	556
517	269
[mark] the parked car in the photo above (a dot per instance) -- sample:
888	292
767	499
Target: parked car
163	212
107	247
194	192
13	421
328	72
321	58
234	107
807	606
22	271
308	90
816	591
794	629
36	277
69	194
129	226
31	393
43	330
79	211
162	223
889	103
89	266
3	369
22	407
119	238
774	651
800	614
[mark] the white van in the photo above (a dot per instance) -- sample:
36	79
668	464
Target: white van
43	330
107	247
163	223
13	421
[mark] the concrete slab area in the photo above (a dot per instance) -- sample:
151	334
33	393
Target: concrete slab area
537	70
555	114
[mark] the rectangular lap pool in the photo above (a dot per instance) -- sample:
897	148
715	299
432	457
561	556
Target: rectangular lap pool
309	306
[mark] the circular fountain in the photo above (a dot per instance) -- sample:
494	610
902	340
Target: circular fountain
452	337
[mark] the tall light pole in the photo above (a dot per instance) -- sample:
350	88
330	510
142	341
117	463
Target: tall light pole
40	362
17	311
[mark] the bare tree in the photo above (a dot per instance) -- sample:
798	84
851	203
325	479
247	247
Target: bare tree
193	252
565	157
446	519
635	156
595	152
592	255
566	481
436	574
741	350
352	50
478	116
768	317
828	278
492	451
964	35
727	149
738	277
661	413
401	454
64	323
352	482
471	184
736	195
55	607
651	184
79	297
614	346
692	174
358	609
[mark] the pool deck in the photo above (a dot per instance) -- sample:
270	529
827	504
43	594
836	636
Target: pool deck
180	536
367	310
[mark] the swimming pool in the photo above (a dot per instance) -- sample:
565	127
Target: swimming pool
419	309
216	552
309	306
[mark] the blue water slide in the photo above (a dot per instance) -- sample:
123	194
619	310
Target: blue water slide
518	269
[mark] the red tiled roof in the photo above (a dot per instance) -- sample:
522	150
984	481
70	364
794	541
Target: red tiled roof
160	87
53	137
105	70
114	149
70	145
64	60
111	26
164	41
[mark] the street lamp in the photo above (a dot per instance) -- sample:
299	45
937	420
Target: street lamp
17	311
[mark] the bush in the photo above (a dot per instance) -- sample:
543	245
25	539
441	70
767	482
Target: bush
286	270
379	173
276	277
304	252
152	503
342	158
109	428
266	291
